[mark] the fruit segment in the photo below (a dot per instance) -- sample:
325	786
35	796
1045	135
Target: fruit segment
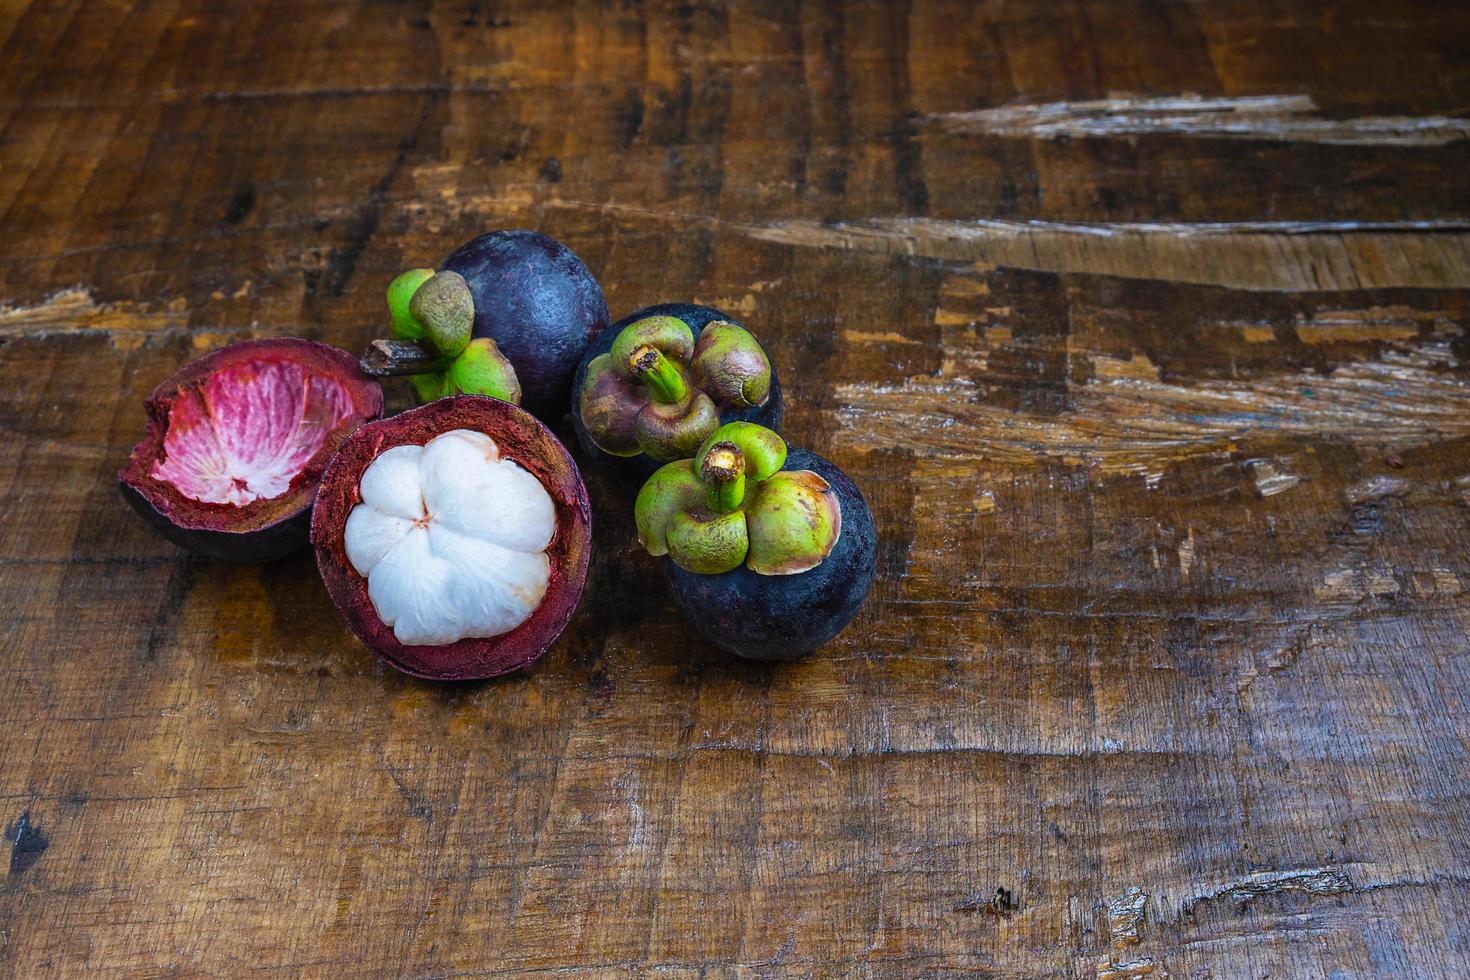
452	539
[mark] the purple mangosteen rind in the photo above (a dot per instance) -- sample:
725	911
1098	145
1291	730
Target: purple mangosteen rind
264	529
638	467
782	617
507	314
521	438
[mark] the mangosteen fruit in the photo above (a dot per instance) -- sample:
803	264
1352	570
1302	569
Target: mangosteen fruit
660	380
454	538
507	315
237	442
769	551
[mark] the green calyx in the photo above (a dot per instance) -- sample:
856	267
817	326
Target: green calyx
658	391
431	317
732	504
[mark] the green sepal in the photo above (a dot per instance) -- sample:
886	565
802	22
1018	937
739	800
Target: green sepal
731	366
401	322
706	543
446	309
667	334
794	522
428	387
672	431
481	369
608	406
673	488
765	452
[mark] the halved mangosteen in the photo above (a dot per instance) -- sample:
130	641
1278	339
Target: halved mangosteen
454	538
237	441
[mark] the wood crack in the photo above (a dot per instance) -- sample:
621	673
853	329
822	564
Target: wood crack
1282	118
1300	256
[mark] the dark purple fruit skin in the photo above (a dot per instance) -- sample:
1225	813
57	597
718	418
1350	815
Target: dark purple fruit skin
248	547
781	617
637	469
540	305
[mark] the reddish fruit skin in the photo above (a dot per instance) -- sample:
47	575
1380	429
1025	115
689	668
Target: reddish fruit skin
521	438
262	530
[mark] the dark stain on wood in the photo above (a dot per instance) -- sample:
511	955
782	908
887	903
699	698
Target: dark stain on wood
241	204
176	592
27	843
1001	902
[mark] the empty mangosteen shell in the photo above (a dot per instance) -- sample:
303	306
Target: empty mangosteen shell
636	470
781	617
520	437
262	530
540	304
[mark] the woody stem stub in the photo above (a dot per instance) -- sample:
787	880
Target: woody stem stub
390	358
723	473
664	380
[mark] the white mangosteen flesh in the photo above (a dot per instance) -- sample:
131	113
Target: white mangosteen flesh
247	431
452	539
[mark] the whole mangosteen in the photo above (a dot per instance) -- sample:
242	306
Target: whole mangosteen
769	552
507	315
237	441
660	380
454	538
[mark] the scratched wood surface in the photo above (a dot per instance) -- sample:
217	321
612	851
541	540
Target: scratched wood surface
1142	325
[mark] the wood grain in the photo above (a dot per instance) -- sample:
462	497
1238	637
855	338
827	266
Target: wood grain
1142	325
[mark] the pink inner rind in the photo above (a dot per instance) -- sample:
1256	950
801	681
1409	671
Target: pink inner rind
248	430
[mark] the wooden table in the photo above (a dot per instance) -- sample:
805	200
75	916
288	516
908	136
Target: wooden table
1142	325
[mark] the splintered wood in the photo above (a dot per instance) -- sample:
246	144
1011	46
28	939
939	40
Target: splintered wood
1142	326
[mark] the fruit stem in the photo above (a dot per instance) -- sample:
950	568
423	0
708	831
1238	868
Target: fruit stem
663	379
389	358
723	473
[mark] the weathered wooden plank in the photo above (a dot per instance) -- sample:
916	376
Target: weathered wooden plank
1162	416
